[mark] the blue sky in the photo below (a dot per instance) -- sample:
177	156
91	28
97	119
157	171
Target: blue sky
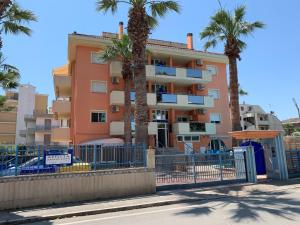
268	70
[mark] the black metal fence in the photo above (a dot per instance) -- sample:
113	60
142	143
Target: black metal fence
23	160
293	163
198	168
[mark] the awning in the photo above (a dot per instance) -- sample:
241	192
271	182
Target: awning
104	141
255	134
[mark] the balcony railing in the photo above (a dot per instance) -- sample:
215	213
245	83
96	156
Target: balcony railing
194	73
197	127
45	128
167	98
164	70
198	100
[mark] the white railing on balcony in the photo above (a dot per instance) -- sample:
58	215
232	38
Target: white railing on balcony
194	128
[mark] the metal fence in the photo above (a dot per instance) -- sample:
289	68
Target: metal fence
23	160
293	163
198	168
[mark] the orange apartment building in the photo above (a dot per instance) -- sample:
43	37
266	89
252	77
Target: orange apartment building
187	94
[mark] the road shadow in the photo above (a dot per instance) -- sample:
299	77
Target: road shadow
241	206
7	217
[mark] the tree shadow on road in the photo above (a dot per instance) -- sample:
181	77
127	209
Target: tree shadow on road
244	206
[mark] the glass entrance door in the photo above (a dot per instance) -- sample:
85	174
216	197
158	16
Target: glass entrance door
162	135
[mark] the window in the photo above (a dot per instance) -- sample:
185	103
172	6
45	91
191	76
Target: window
242	108
97	58
212	69
98	86
98	117
187	138
249	108
179	138
182	119
195	138
159	115
214	93
184	138
215	118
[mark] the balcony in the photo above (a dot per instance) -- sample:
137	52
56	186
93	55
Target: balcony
116	69
186	76
117	98
62	85
117	128
62	108
45	129
61	134
195	128
184	101
167	74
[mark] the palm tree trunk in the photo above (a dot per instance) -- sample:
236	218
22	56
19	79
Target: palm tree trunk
234	94
126	71
138	31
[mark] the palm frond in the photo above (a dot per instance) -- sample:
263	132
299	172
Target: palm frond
210	44
14	28
108	5
160	8
239	13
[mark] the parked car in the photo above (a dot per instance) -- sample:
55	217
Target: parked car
36	165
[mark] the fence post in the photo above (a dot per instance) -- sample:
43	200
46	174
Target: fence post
16	160
95	157
221	166
194	168
150	158
39	157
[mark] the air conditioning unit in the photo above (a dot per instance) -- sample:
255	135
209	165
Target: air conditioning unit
115	108
199	62
201	111
200	87
115	80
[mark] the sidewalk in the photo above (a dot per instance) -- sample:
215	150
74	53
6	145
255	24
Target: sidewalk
158	199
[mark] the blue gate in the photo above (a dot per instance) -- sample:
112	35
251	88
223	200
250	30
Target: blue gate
259	156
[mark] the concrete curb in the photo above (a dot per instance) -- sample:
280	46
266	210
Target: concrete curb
106	210
128	207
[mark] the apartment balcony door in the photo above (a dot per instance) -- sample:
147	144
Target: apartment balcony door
48	124
162	135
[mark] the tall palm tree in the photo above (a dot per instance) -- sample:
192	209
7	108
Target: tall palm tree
229	28
12	19
123	48
9	75
143	16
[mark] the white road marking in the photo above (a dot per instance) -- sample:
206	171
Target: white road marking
129	215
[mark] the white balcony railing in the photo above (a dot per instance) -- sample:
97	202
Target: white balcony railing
196	128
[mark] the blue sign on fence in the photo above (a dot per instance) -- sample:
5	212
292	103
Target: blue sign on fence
56	157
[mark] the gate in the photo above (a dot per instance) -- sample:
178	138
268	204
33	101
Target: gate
197	169
293	163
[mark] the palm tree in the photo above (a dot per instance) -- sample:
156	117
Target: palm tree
12	19
143	16
242	92
123	48
9	75
229	28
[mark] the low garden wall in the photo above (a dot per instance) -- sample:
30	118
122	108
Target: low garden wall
47	189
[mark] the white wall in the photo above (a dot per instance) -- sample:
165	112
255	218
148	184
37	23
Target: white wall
26	103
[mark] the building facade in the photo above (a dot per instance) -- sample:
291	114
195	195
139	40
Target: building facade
253	117
187	94
25	119
8	118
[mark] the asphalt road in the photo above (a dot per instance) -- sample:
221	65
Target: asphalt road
265	208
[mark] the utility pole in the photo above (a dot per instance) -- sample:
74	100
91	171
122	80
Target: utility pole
295	102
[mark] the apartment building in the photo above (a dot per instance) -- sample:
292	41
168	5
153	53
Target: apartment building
253	117
25	119
187	94
8	118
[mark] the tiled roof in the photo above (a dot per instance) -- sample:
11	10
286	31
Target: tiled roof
151	42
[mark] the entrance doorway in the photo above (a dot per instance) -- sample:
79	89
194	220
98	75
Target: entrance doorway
162	135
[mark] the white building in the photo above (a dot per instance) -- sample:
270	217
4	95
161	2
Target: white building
253	117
